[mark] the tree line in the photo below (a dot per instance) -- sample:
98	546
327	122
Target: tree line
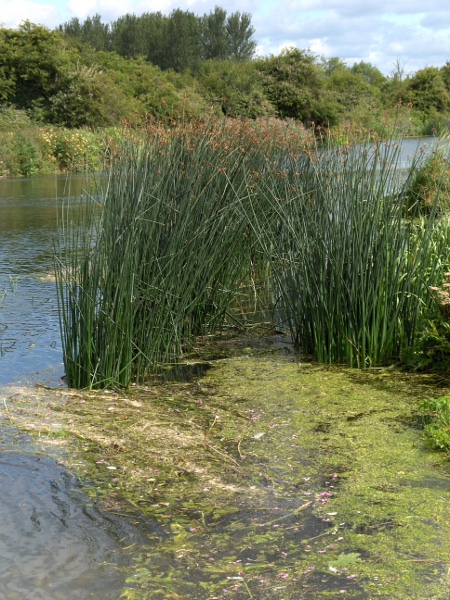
181	66
179	41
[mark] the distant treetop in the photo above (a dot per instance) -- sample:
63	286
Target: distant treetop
178	41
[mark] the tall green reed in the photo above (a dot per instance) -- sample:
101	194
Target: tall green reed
179	221
351	265
154	261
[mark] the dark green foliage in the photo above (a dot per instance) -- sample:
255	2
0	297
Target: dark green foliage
352	274
437	430
156	264
182	41
293	83
92	31
88	96
426	90
214	35
32	57
241	45
179	41
234	88
431	351
351	90
131	37
369	73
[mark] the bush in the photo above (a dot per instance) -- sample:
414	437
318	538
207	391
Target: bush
74	150
437	432
431	184
31	149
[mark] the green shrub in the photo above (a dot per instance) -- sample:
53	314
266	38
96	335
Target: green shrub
431	350
431	184
74	150
437	431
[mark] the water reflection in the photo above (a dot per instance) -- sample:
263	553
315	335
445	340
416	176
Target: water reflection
29	329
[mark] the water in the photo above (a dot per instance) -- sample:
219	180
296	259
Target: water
54	545
29	328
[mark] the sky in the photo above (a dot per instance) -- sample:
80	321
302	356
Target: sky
390	34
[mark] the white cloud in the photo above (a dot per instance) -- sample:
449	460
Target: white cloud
377	31
13	12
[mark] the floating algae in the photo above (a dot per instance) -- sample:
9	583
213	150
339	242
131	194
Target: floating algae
270	479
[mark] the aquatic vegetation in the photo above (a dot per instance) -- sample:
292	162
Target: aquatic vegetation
351	272
182	220
266	477
155	260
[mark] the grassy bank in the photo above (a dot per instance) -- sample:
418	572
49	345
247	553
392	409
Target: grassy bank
28	148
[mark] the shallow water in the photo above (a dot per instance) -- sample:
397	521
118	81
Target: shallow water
53	543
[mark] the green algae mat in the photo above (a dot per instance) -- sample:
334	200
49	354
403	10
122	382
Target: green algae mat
264	478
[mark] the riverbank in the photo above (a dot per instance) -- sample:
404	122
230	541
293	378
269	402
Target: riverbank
29	149
268	477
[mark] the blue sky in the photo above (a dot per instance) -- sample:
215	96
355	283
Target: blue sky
383	32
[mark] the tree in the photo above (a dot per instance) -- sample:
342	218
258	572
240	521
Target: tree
369	73
183	42
32	58
330	65
235	88
214	35
352	90
445	75
240	32
89	96
293	82
426	91
127	38
92	31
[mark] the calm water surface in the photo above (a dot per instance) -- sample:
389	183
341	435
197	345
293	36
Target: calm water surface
54	545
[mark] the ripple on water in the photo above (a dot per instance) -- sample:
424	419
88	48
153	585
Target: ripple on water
53	543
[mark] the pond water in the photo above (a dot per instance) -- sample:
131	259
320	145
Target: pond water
53	543
29	329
